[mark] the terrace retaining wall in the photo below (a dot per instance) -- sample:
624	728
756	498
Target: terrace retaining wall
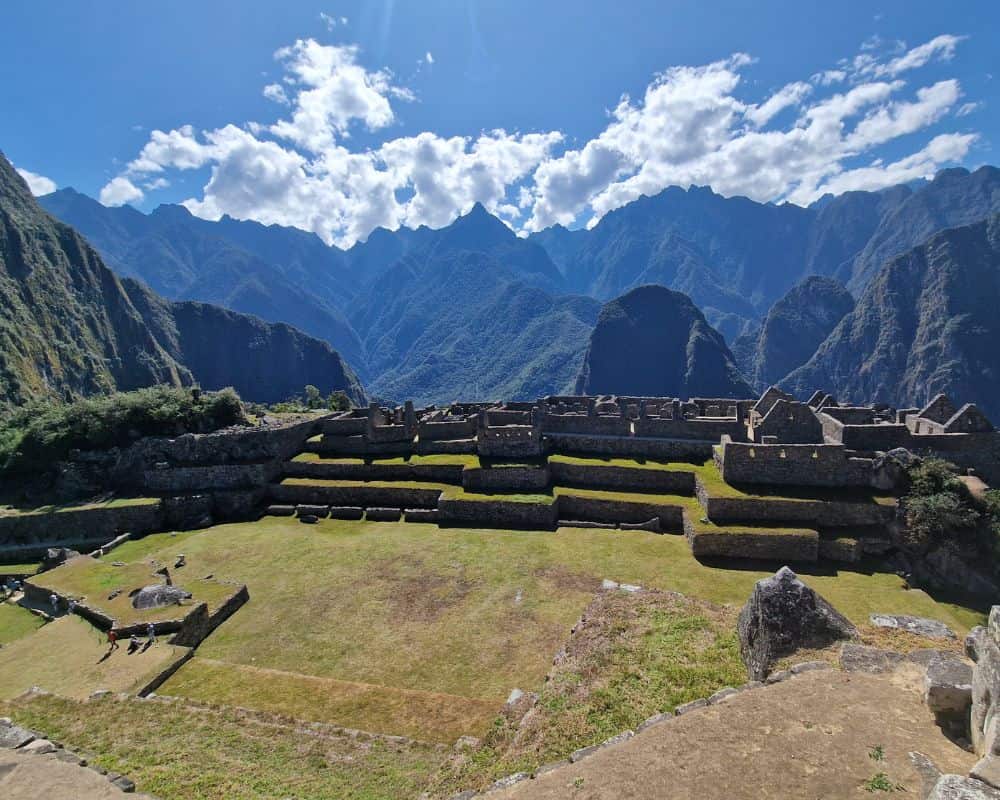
595	509
94	526
631	447
506	479
497	514
632	479
366	496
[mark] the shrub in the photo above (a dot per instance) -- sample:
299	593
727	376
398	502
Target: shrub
35	436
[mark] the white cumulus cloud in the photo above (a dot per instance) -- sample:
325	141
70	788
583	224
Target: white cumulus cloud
120	191
38	184
693	124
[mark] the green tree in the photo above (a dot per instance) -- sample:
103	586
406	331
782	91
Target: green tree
313	397
338	401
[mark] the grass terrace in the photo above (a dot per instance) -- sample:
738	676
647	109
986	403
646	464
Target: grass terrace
453	493
91	582
627	463
453	619
180	753
16	622
81	505
69	657
436	459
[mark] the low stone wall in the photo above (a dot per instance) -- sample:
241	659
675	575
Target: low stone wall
594	509
458	429
824	513
441	446
346	425
497	514
753	543
434	473
360	446
505	479
587	425
365	496
199	624
216	476
792	465
700	428
631	447
90	526
874	437
632	479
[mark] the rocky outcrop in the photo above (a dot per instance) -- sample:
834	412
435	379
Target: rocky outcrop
783	615
159	596
655	342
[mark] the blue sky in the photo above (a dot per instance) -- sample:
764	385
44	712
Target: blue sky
340	116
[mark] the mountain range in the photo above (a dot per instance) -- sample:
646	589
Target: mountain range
71	326
471	310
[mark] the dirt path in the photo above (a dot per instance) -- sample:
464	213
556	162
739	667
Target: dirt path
24	776
807	738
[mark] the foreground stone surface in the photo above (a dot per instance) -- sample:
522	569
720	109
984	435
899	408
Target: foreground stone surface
28	775
958	787
782	615
806	737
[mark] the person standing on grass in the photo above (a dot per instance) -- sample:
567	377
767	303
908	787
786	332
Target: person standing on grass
54	602
151	632
112	640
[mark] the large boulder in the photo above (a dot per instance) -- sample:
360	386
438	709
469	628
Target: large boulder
158	596
783	615
983	647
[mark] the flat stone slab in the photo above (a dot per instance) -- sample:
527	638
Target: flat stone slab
921	626
862	658
39	747
12	736
948	685
958	787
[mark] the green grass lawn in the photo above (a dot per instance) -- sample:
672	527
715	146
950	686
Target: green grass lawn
67	657
16	622
451	611
179	753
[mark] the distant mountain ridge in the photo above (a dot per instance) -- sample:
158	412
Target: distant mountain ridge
71	326
926	323
420	312
735	258
792	330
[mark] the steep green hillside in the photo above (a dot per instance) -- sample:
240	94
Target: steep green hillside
265	362
67	326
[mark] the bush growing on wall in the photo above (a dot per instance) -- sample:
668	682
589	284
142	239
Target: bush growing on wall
34	436
939	509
